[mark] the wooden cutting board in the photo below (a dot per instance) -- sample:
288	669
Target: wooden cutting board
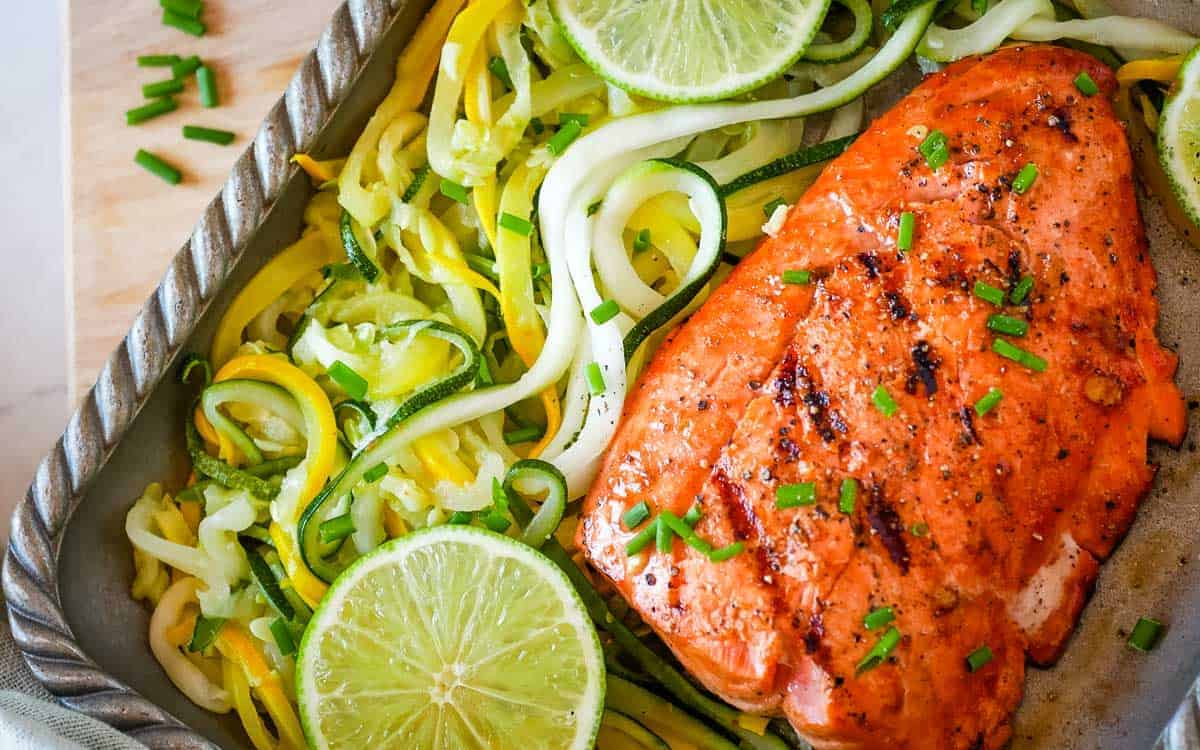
127	223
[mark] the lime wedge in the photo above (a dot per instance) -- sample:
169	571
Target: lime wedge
451	638
690	50
1179	136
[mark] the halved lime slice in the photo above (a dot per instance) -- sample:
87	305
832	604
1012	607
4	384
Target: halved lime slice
690	50
1179	136
449	639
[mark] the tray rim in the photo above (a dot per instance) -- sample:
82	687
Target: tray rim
195	277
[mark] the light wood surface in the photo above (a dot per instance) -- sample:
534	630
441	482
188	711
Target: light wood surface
126	223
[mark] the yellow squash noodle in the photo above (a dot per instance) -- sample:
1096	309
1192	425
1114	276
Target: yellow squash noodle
235	645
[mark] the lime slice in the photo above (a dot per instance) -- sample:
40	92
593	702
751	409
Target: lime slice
690	50
451	638
1179	136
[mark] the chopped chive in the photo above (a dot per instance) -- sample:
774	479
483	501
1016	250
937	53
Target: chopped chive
693	516
1145	634
375	473
641	241
497	521
1019	355
157	166
538	126
336	528
633	517
592	209
1025	178
883	401
350	381
978	658
205	632
149	111
979	6
594	378
189	8
935	149
484	376
881	650
577	117
904	238
157	61
1007	324
524	435
685	532
1021	290
454	191
185	67
516	224
481	265
726	552
604	312
878	617
988	401
499	68
989	293
795	495
500	499
566	134
540	270
920	529
662	538
183	23
770	206
162	88
207	81
796	276
642	538
461	517
1085	84
283	636
848	495
209	135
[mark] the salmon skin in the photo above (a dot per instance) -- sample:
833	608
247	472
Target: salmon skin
975	529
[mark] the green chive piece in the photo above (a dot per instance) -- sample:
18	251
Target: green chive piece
920	529
185	67
183	23
283	636
797	276
189	8
880	651
1019	355
336	528
641	241
988	402
684	532
497	521
979	6
1025	178
770	206
579	117
516	224
883	401
209	135
350	381
484	376
989	293
538	126
528	434
726	552
592	209
904	239
1021	290
978	658
566	135
157	61
848	495
207	81
1085	84
662	538
157	166
149	111
375	473
481	265
633	517
641	539
461	517
1145	634
795	495
605	311
500	498
540	270
693	516
1008	325
878	617
454	191
499	68
935	149
594	378
205	632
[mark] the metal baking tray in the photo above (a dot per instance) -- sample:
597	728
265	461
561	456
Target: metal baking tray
68	566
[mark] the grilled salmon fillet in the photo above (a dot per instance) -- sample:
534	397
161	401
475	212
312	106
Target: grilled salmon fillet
974	529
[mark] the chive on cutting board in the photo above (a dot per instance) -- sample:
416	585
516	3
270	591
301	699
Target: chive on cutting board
126	224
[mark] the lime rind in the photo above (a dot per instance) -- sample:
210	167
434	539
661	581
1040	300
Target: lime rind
688	51
1179	136
499	645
